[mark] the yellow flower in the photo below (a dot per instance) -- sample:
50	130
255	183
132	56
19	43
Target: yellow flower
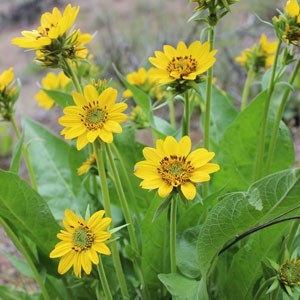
292	8
289	272
259	56
182	63
53	25
51	82
86	165
6	78
77	40
81	242
171	165
135	78
93	116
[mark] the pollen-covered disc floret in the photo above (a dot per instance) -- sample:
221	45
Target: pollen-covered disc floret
182	63
171	165
81	242
95	115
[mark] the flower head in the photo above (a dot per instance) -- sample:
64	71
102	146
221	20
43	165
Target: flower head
171	165
52	82
94	115
8	94
81	242
182	63
292	8
289	272
53	25
259	56
87	165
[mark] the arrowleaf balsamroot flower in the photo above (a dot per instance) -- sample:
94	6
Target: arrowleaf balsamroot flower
53	25
182	63
171	165
81	242
259	56
292	8
94	115
52	82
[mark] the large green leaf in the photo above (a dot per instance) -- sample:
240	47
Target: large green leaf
155	253
27	210
237	212
55	178
239	147
182	288
222	115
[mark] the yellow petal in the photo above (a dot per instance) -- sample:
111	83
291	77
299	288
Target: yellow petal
103	224
164	189
151	154
95	218
92	135
171	146
93	256
209	168
82	141
200	157
189	190
292	8
79	99
61	249
71	217
185	146
101	248
66	262
105	136
199	176
90	93
86	262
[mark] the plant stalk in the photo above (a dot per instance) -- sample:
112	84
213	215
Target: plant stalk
263	288
186	117
173	234
74	76
103	280
25	155
208	103
172	114
261	142
249	80
127	215
98	150
23	250
280	111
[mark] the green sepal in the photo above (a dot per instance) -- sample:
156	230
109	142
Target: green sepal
162	206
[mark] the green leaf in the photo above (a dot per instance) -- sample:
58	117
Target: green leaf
57	182
233	214
164	204
181	288
163	128
155	251
61	98
186	252
27	210
239	147
9	293
222	115
15	162
20	265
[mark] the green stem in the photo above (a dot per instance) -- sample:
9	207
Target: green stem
263	288
261	142
74	76
25	155
173	234
280	111
292	234
128	217
31	264
98	149
103	280
186	117
172	114
128	183
208	104
249	80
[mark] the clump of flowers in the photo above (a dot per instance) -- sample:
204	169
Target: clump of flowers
179	65
51	81
94	115
171	165
87	165
260	56
52	40
8	94
287	25
81	242
144	80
